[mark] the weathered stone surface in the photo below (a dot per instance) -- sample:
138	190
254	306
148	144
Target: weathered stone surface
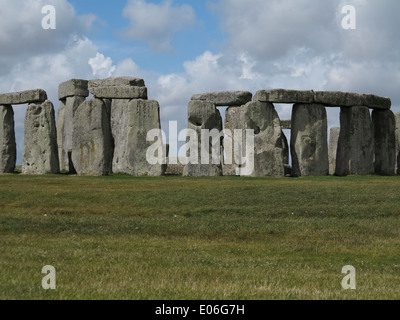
131	120
40	152
309	140
286	149
234	120
269	151
8	147
326	98
333	144
284	96
92	143
347	99
174	166
115	82
384	128
204	115
62	153
73	87
286	124
65	117
120	92
355	153
397	117
23	97
225	98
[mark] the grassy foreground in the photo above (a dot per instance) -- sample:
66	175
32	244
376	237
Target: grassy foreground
122	237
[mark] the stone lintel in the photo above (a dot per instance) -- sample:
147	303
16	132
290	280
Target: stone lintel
23	97
73	87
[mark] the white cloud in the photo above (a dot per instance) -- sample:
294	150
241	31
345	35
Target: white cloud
22	35
301	44
156	24
102	67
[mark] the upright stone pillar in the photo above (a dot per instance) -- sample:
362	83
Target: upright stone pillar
8	147
92	143
333	144
40	152
397	117
234	120
384	125
269	145
204	115
131	120
71	94
309	140
355	155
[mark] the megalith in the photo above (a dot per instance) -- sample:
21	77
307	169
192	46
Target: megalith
40	151
309	140
234	120
118	88
384	129
397	118
355	153
225	98
92	143
204	152
269	145
8	147
131	120
333	144
71	94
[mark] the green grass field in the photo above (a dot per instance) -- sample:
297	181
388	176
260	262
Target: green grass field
122	237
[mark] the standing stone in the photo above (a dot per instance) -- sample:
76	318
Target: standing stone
8	147
65	117
355	154
40	152
309	140
333	144
384	125
286	151
92	143
131	120
397	117
234	120
204	116
269	150
62	153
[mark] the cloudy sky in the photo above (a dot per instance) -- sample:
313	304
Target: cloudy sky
183	47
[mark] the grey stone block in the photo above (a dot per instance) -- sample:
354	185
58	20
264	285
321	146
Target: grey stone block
120	92
40	152
384	128
23	97
225	98
355	153
131	120
333	144
92	143
309	140
73	87
284	96
8	147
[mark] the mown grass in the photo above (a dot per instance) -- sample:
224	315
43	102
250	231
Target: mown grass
122	237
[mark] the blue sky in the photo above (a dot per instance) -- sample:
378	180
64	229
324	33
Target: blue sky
186	47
